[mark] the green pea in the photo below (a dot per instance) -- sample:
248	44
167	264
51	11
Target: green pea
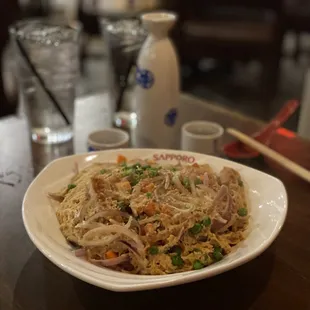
177	260
71	186
149	195
217	253
153	250
103	171
206	222
196	229
242	212
198	265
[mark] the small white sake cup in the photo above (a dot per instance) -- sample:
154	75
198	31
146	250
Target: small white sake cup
107	139
201	137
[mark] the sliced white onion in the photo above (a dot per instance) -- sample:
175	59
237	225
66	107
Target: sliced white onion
133	222
141	260
112	261
192	185
106	213
220	219
128	224
206	180
167	181
75	168
100	242
57	197
86	225
221	193
117	229
149	220
92	199
179	209
80	252
178	184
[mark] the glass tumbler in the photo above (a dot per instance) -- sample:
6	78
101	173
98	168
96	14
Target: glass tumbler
47	57
123	39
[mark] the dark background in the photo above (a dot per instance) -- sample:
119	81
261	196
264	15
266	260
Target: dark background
250	55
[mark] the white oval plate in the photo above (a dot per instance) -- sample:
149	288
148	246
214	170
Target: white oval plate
266	195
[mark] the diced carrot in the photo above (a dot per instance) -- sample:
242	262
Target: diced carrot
150	209
123	186
149	228
148	188
110	254
166	210
121	159
195	165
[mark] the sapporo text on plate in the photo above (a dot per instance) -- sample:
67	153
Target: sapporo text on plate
178	157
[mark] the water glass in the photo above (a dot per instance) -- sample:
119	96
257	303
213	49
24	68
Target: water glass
123	39
47	56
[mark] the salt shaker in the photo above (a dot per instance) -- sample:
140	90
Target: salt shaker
157	90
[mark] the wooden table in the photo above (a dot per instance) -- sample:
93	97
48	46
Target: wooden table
278	279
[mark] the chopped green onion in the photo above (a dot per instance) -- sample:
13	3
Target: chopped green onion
242	212
196	229
177	260
153	250
198	181
153	172
70	186
122	205
134	179
240	183
127	173
186	183
206	222
149	195
173	169
198	265
103	171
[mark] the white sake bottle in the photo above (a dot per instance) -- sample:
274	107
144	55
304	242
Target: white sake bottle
157	90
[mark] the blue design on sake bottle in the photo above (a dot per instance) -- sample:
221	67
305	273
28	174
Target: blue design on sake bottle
145	78
171	117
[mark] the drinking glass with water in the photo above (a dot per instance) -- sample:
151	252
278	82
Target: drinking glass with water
47	57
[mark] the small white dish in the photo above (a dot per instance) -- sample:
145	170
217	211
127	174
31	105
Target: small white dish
201	136
266	195
107	139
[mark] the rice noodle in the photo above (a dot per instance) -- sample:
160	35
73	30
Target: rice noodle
140	215
112	261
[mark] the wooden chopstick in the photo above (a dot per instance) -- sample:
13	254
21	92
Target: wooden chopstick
277	157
